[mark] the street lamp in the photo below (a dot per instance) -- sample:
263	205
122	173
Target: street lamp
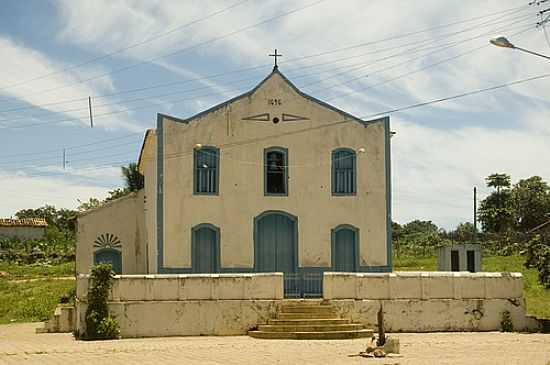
505	43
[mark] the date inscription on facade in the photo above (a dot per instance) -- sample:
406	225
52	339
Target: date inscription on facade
274	102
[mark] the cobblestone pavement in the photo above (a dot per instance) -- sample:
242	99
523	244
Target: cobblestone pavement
20	345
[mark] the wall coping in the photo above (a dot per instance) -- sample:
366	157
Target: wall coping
188	276
429	274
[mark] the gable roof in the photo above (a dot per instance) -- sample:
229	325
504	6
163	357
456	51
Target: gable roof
252	91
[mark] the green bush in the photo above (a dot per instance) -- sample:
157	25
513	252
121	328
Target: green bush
506	322
537	256
108	328
99	324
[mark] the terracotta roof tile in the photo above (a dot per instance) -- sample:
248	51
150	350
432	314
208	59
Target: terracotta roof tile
28	222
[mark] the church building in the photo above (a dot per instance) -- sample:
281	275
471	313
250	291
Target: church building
273	180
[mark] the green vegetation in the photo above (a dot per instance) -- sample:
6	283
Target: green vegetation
100	325
537	297
17	272
30	293
30	301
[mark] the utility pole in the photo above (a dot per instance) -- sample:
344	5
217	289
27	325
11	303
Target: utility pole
91	116
64	158
475	216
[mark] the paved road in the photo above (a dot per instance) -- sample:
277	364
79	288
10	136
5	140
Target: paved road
20	345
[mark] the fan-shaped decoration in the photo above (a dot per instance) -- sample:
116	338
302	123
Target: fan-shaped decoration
107	240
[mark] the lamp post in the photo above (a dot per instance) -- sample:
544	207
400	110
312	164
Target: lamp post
505	43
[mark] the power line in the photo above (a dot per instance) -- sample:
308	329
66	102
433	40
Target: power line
238	81
408	73
182	50
363	44
339	122
123	49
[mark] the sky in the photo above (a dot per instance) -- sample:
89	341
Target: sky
139	58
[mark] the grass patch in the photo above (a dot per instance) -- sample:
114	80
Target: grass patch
16	272
30	301
537	298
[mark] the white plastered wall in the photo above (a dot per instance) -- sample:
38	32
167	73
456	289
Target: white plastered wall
241	191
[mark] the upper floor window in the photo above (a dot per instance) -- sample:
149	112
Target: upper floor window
344	174
276	171
206	173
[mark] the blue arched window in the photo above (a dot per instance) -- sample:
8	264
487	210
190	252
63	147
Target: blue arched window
109	256
344	174
205	248
206	170
276	171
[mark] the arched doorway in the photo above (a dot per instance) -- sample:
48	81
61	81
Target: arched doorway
345	248
109	256
276	244
205	249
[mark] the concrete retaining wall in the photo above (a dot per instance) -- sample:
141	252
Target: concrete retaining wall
422	285
430	301
170	305
231	304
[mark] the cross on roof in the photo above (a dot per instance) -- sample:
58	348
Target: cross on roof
275	55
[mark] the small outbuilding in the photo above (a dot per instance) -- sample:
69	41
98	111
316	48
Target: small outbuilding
23	229
459	257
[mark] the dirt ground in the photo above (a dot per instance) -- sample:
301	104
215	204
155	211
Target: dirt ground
20	345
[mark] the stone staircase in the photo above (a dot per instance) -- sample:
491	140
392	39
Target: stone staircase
63	320
309	320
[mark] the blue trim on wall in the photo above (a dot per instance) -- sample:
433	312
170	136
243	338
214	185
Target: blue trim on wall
293	218
194	244
215	150
116	253
387	158
160	192
333	171
284	151
355	243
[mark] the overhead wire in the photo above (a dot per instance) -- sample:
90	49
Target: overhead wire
346	48
182	50
449	45
126	48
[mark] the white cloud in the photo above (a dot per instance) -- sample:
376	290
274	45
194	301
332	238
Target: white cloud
21	192
21	63
435	167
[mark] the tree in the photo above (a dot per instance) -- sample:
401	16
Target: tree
133	178
464	232
91	203
496	212
531	198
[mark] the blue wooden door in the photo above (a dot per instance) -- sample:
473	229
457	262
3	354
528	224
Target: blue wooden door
345	250
205	250
276	244
109	256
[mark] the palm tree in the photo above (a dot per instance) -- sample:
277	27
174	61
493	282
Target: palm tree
133	178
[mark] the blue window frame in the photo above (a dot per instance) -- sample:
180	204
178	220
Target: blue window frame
206	171
344	172
205	248
109	256
276	171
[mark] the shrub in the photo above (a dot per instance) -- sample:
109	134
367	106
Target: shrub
506	322
99	324
538	256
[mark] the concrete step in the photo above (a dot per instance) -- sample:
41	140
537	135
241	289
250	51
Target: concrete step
332	335
306	309
308	322
310	328
320	315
